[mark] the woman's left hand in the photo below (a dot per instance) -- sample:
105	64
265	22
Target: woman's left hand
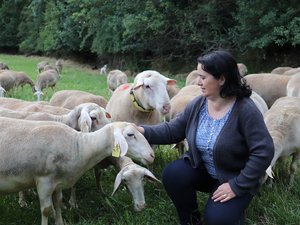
223	193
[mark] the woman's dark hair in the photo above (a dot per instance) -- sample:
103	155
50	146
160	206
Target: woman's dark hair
221	63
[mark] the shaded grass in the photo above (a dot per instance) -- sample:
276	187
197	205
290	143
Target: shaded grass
277	205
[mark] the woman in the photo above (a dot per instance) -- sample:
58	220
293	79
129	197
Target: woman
229	146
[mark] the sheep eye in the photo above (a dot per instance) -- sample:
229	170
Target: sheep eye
130	135
93	118
147	86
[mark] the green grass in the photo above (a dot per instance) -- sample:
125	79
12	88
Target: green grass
277	205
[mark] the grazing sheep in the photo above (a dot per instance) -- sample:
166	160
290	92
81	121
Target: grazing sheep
21	79
292	71
293	86
143	101
269	86
28	106
283	123
281	69
103	70
3	66
115	78
242	69
46	79
7	80
192	78
71	98
52	157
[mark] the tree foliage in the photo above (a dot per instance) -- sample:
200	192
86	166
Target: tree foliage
148	33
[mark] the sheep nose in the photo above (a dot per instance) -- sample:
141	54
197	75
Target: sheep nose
166	108
139	207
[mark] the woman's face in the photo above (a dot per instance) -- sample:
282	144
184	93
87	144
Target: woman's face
210	86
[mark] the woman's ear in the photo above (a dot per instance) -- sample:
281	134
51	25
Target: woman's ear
222	80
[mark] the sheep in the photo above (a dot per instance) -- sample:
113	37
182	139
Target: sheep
242	69
115	78
129	172
172	90
41	65
283	123
71	98
293	86
28	106
192	78
292	71
259	102
52	157
3	66
21	79
269	86
281	69
59	65
46	79
178	103
143	101
7	80
103	70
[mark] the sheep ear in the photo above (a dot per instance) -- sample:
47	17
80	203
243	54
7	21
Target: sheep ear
118	181
171	81
269	172
121	141
84	121
150	175
108	116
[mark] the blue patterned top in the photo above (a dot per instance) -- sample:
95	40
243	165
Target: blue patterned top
207	133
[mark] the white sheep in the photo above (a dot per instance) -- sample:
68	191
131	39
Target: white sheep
143	101
103	70
52	157
71	98
115	78
293	86
269	86
28	106
281	69
192	78
283	123
242	69
46	79
292	71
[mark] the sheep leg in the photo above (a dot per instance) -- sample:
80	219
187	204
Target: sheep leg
47	85
294	166
45	192
57	202
22	199
72	200
97	172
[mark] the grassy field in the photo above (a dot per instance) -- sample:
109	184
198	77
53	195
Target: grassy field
277	205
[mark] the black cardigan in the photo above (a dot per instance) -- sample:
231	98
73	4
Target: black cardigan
243	149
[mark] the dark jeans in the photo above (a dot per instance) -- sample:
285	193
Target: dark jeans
181	182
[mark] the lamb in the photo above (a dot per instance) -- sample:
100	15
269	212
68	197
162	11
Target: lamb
143	101
71	98
283	123
293	86
46	79
53	156
115	78
269	86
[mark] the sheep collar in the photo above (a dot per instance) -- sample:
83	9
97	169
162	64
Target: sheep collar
137	104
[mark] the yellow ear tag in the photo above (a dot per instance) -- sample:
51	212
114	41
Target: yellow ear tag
116	151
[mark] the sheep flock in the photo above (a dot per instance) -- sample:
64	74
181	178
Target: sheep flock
60	135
